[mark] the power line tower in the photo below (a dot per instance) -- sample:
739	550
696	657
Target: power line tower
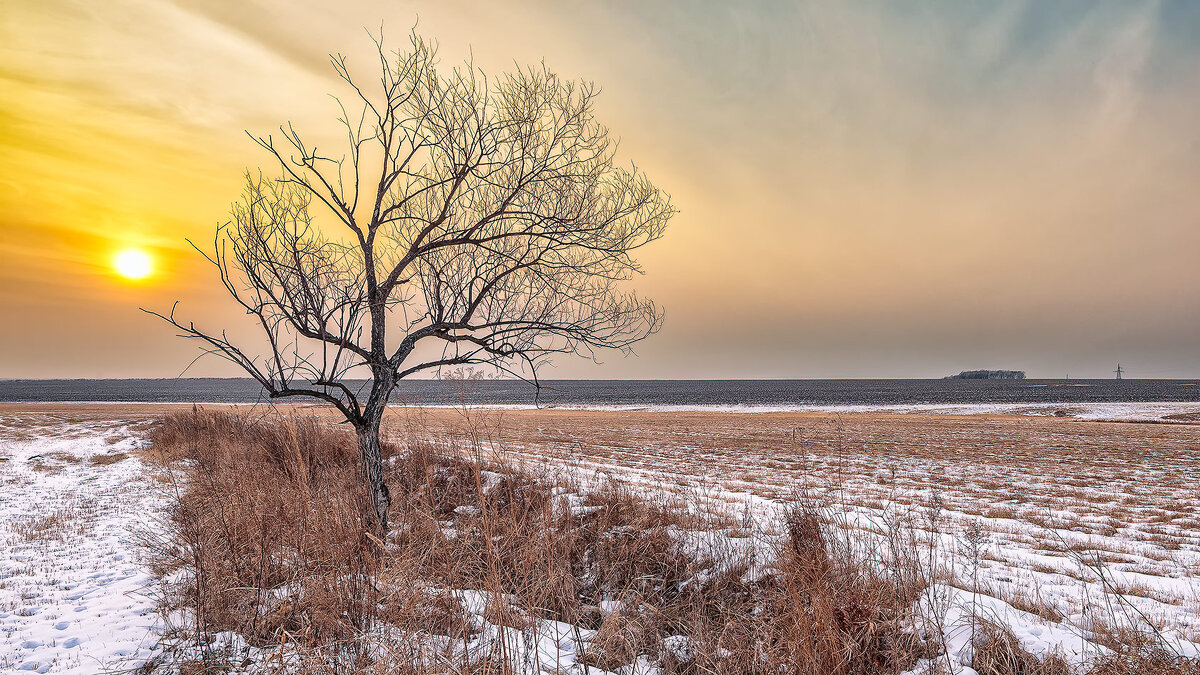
1119	371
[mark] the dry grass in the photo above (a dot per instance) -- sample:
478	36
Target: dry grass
110	458
1145	661
1035	605
999	652
269	538
269	507
1041	484
58	525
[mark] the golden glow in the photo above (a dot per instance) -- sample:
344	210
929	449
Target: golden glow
133	264
865	191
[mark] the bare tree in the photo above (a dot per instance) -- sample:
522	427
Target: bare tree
487	218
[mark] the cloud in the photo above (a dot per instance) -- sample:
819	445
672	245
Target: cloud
866	188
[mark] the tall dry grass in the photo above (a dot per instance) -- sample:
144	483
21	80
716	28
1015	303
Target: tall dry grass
268	521
269	544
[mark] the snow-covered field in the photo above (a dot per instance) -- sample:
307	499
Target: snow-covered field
1080	521
73	596
1076	523
1168	411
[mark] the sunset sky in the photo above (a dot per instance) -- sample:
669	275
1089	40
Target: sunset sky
865	189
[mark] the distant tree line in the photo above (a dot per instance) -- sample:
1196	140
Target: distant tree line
988	375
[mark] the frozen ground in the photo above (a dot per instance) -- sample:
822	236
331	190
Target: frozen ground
1078	521
1056	503
1167	412
73	597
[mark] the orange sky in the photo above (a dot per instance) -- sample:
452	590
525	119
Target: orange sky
865	189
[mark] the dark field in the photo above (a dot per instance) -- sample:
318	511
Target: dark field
757	393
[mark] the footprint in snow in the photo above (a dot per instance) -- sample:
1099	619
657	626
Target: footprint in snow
71	643
62	625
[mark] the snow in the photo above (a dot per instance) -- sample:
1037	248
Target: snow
73	596
1125	411
1072	518
961	611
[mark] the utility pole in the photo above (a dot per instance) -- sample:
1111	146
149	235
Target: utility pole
1119	371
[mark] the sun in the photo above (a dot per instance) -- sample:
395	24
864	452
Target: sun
132	264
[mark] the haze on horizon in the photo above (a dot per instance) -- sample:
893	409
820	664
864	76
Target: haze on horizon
866	189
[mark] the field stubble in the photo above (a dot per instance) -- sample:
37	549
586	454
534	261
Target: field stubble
1069	508
1056	517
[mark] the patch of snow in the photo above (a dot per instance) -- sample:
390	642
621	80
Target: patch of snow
73	596
1159	411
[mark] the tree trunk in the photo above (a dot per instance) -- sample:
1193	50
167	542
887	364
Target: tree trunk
372	464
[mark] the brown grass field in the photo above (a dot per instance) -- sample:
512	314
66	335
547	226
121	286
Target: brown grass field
1054	516
1091	477
1048	488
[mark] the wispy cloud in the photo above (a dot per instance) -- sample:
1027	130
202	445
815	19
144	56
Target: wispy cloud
867	188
